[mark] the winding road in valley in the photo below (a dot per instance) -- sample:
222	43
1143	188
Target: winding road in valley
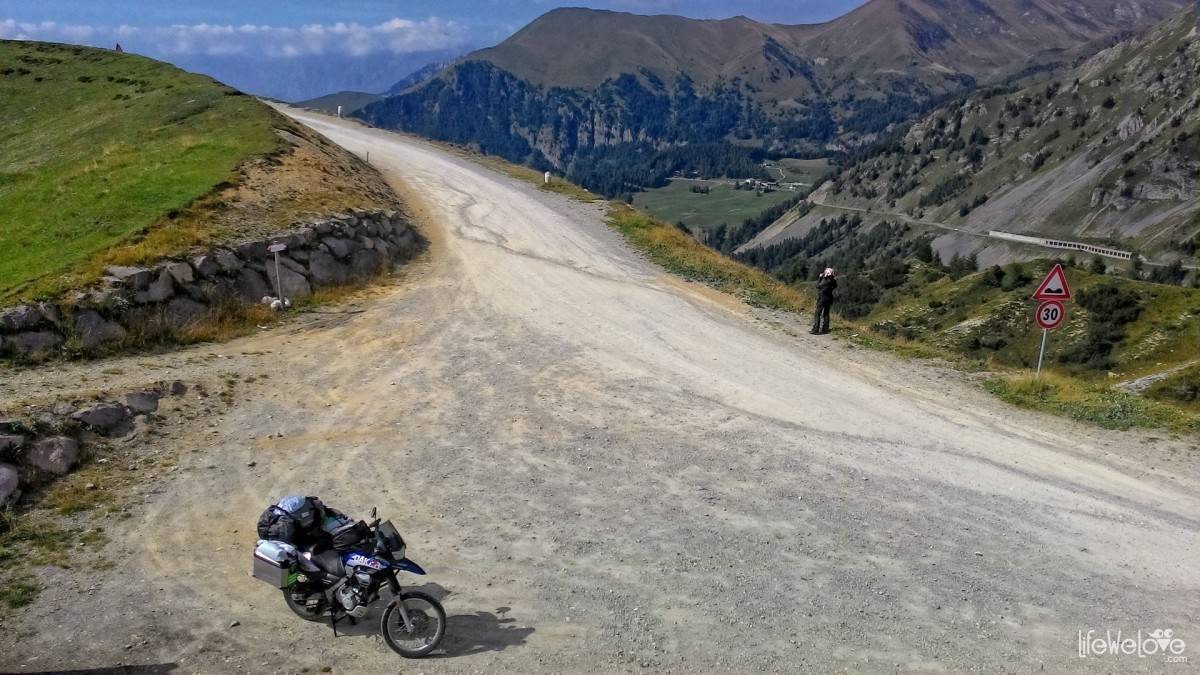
606	469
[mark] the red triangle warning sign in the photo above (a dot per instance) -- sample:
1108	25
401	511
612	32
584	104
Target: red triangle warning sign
1055	286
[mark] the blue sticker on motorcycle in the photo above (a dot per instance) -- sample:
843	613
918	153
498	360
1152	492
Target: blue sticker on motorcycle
360	560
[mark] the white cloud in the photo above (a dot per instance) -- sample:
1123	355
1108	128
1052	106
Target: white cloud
397	36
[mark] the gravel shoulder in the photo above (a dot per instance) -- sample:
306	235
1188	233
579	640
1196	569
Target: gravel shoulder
605	469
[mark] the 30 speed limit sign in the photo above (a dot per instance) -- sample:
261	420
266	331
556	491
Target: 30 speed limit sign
1050	314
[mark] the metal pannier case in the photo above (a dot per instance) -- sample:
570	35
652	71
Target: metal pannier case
273	562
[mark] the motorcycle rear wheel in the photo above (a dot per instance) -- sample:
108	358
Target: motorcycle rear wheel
428	625
301	610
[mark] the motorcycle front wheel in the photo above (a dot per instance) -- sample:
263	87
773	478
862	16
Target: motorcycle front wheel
301	610
425	629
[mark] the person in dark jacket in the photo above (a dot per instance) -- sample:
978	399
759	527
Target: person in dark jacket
826	285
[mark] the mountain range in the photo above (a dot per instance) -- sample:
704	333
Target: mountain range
609	97
1107	152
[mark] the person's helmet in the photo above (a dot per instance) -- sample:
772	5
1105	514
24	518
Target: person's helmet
830	272
301	509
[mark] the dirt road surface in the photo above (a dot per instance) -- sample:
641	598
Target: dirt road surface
605	469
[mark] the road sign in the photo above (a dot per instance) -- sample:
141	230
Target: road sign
276	248
1054	287
1050	314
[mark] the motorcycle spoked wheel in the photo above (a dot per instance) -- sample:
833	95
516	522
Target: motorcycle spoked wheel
302	610
428	625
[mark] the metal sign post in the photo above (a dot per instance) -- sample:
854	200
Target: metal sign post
1050	315
1042	354
276	248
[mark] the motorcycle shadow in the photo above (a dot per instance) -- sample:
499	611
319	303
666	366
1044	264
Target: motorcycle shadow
466	634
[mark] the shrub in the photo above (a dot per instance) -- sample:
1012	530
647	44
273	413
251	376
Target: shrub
1110	308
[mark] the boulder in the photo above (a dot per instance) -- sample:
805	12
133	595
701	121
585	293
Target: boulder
141	402
291	283
33	344
182	311
103	417
285	261
323	227
136	278
341	248
10	485
326	270
252	250
181	272
19	318
366	263
10	442
57	455
251	286
228	261
178	388
207	266
94	331
160	289
367	243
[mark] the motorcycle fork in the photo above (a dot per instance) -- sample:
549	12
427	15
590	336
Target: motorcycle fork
395	586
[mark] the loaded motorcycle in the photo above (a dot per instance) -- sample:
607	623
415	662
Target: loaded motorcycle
341	586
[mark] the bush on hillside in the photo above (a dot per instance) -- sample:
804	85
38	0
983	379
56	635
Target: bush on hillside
1110	309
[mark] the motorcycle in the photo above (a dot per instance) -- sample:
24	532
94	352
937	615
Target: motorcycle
342	586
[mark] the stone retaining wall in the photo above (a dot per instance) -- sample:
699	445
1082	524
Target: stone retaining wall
138	303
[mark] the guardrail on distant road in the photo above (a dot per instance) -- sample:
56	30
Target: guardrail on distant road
1058	243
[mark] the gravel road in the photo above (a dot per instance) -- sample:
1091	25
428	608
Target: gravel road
605	469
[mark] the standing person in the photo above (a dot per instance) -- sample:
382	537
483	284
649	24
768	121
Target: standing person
826	285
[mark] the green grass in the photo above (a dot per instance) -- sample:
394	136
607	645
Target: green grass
95	147
1088	402
676	203
807	171
19	591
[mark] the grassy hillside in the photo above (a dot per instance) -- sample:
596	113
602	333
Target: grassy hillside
114	159
95	146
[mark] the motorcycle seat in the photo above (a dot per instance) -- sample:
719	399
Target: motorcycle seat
330	562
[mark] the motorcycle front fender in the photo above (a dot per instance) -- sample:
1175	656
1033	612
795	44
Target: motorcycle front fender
409	566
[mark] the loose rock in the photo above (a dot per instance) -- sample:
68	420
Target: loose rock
103	417
141	402
56	455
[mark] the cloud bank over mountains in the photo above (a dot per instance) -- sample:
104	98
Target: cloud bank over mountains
396	36
279	61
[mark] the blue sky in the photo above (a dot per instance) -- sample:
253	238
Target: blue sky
296	49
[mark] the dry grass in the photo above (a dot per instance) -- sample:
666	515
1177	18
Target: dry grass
679	253
1088	402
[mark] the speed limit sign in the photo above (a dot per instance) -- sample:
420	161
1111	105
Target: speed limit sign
1050	314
